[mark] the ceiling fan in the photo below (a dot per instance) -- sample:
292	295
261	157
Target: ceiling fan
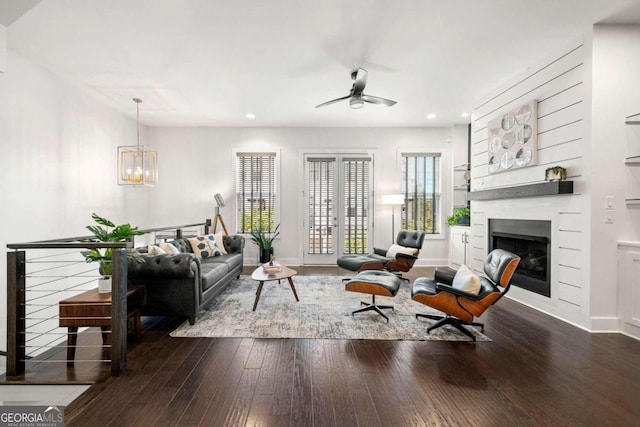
356	96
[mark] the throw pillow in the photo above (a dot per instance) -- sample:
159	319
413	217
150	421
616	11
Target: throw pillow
220	243
204	246
169	248
466	281
397	249
156	250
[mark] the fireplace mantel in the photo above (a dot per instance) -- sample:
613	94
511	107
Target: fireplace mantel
551	188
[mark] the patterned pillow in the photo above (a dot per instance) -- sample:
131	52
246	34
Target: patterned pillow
204	246
220	243
169	248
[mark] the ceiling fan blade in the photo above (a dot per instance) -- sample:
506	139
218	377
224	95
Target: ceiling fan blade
333	101
378	100
360	81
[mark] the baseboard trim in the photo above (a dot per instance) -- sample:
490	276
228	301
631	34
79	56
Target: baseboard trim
605	324
289	262
431	262
550	314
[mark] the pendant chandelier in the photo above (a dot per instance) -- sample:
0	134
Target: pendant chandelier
137	164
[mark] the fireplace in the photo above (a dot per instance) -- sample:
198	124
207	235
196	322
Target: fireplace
531	241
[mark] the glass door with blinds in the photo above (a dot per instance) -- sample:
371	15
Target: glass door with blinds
337	206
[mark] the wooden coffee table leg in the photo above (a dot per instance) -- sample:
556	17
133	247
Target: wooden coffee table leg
293	288
255	304
72	339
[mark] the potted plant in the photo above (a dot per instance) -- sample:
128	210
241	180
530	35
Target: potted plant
107	231
461	216
555	173
265	242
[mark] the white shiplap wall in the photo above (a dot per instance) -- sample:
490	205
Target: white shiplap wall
559	84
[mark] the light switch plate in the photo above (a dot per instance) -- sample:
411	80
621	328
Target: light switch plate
609	202
608	216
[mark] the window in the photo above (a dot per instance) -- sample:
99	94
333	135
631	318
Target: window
356	202
256	191
421	189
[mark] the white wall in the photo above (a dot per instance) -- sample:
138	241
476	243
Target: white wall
3	48
558	84
58	162
615	95
196	163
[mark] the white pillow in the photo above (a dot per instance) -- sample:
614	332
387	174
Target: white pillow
220	243
466	281
204	246
156	250
397	249
169	248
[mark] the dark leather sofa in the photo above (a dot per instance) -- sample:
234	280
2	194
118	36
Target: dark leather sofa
180	284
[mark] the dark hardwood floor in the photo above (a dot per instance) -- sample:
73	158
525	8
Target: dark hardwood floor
536	371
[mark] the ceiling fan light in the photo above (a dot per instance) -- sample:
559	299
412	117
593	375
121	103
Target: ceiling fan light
356	103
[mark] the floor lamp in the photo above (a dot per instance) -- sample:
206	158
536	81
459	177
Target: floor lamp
393	200
220	203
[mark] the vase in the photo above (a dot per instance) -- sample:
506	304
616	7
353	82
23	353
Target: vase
464	220
265	255
104	285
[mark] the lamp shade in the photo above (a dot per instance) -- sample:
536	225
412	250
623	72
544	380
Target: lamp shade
219	200
137	165
393	199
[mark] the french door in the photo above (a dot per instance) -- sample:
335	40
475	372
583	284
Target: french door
338	206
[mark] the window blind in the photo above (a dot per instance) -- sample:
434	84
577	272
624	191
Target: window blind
321	214
356	205
256	191
421	189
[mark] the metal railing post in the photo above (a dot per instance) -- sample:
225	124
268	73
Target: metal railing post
16	322
119	313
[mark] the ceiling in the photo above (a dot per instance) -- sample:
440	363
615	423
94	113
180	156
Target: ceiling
210	62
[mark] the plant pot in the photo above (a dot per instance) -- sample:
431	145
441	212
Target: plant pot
464	220
265	255
104	285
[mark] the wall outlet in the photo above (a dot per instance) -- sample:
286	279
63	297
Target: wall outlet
609	202
608	216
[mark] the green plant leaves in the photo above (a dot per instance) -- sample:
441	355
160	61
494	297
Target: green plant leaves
458	213
119	233
261	239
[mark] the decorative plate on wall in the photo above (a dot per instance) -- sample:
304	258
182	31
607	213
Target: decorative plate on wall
513	138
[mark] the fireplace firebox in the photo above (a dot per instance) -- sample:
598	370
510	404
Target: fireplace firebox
531	241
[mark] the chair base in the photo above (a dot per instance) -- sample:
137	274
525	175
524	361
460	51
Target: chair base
453	321
373	306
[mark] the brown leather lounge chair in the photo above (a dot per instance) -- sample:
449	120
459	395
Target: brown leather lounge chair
399	258
460	306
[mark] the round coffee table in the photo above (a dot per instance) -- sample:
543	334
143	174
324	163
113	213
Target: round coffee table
261	276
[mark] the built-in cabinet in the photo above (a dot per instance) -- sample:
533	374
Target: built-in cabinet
632	124
459	246
461	179
629	287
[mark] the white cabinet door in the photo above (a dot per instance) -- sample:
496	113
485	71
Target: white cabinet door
458	252
629	291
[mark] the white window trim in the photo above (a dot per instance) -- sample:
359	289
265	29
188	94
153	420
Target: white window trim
278	187
442	235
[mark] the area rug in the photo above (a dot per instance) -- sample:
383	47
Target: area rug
324	311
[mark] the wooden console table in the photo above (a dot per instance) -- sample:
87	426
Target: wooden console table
92	308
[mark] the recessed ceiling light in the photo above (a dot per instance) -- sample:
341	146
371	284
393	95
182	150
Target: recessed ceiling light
465	115
431	116
251	116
